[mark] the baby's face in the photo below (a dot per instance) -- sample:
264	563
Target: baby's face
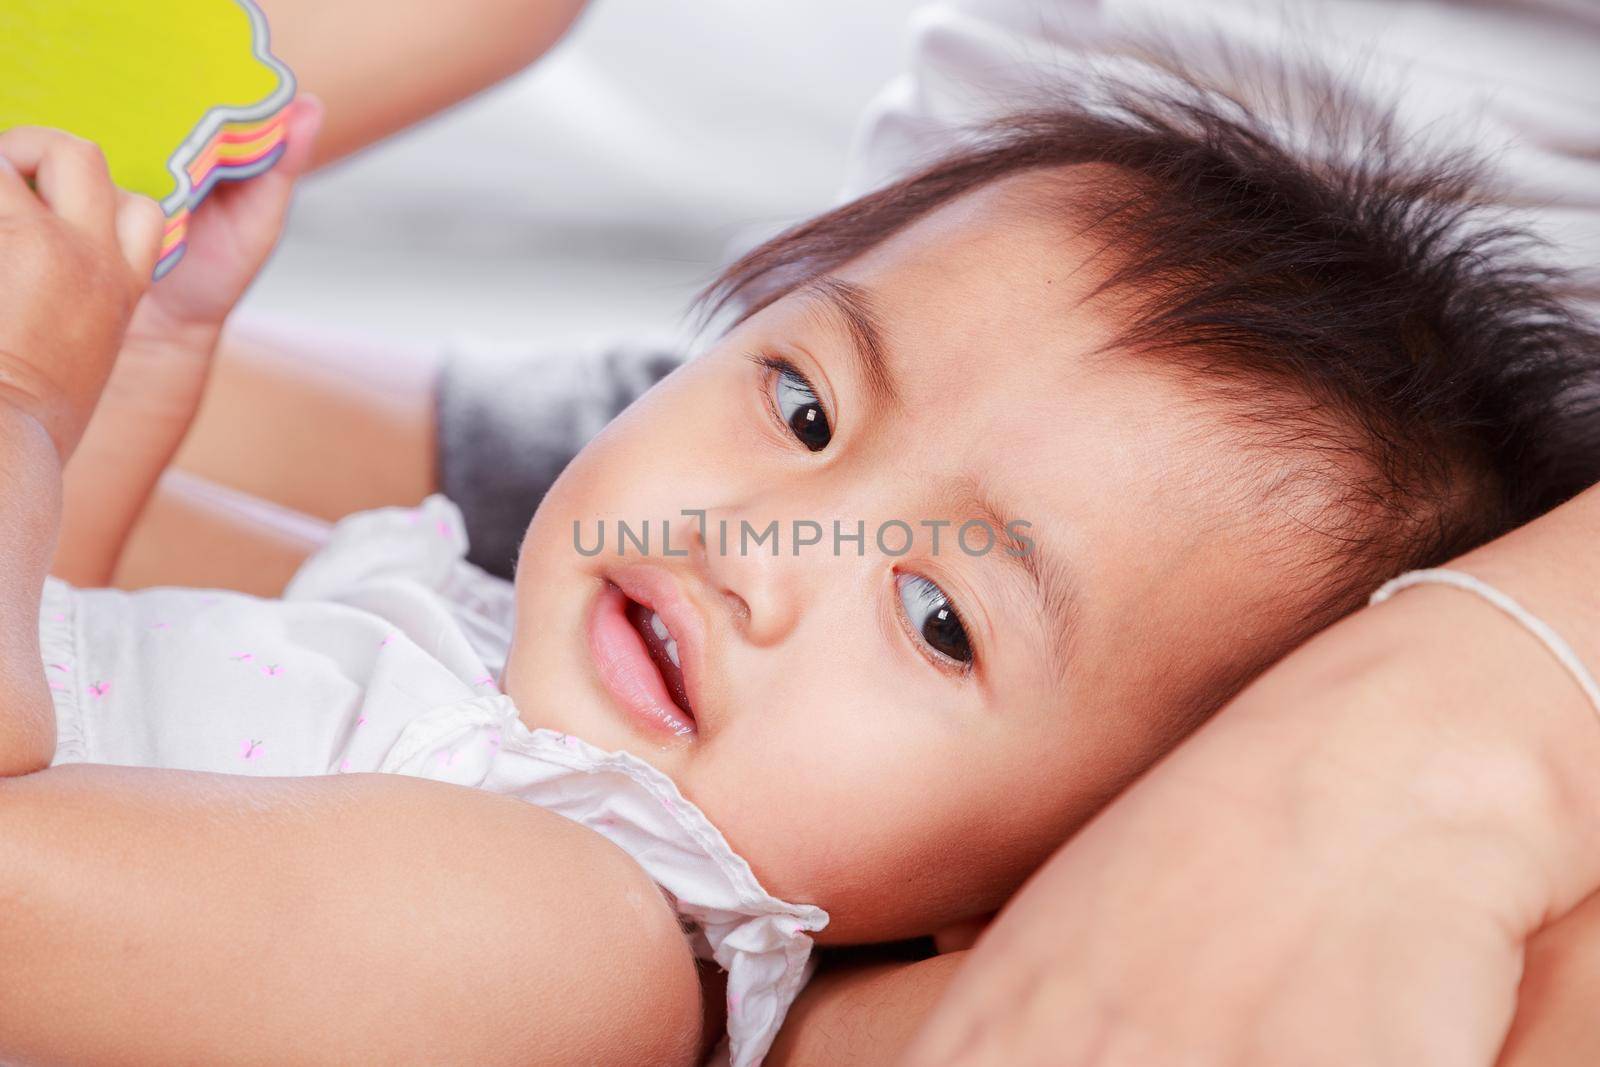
899	737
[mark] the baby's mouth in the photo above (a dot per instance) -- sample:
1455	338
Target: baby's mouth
663	649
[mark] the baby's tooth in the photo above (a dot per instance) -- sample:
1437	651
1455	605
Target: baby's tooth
658	626
672	653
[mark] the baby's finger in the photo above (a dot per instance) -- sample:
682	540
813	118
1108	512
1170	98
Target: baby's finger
140	226
69	173
15	196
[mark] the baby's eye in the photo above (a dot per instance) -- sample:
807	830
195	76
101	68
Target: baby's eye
934	617
797	405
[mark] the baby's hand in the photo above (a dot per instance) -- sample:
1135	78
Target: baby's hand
75	257
228	242
162	371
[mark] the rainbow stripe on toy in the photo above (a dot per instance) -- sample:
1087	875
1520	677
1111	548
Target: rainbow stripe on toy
83	66
239	150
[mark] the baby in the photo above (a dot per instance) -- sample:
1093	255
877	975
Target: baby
1001	480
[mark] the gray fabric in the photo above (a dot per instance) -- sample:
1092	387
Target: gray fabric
510	421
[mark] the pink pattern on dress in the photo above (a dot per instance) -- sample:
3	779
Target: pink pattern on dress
99	689
250	750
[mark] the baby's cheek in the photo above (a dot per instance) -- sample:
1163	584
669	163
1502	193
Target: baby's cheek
787	805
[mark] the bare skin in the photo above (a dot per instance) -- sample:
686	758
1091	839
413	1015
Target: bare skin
283	401
289	903
203	534
1522	1037
340	49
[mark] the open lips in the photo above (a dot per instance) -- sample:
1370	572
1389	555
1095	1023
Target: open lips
646	636
663	649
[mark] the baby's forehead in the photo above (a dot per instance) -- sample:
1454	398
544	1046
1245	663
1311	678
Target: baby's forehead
1016	234
985	315
999	277
1012	376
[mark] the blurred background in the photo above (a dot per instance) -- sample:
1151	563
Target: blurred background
591	195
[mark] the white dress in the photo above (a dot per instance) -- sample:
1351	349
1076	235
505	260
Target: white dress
383	655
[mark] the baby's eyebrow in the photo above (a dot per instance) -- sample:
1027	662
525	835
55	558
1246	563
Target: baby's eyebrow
1053	585
853	306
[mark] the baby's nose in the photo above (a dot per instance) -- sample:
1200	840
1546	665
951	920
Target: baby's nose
754	583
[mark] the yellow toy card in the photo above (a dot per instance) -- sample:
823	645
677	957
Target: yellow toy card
179	94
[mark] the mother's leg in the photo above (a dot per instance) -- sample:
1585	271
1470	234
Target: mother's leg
321	423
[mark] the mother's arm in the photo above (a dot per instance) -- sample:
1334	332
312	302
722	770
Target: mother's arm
864	1016
382	65
159	917
1344	866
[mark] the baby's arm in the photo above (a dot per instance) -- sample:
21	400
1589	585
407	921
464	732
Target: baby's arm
160	373
30	513
159	917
